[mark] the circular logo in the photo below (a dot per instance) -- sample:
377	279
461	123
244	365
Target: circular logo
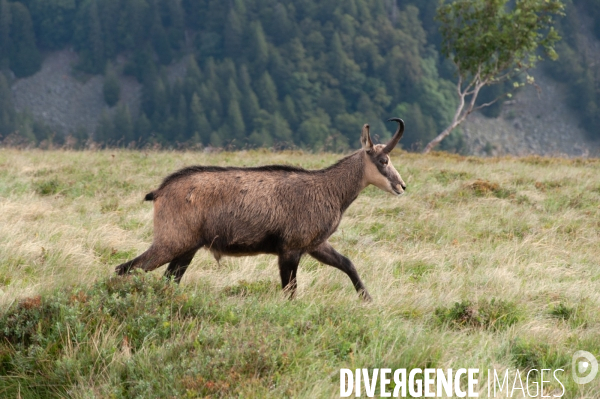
584	371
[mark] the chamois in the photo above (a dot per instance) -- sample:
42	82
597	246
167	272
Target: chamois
281	210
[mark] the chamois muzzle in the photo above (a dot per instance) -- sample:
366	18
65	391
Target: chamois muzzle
397	136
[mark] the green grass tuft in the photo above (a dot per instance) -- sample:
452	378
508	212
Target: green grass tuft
247	288
529	354
48	187
485	314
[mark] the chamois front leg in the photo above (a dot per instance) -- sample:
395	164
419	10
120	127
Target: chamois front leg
326	254
288	266
179	265
154	257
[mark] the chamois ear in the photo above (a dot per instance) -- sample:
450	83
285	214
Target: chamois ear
365	138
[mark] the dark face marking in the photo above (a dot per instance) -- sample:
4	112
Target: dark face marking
389	179
379	170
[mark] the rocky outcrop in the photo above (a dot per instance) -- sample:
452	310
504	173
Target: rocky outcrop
67	100
536	121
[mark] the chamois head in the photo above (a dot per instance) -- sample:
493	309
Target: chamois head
379	170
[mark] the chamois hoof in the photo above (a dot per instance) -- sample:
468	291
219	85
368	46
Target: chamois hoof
364	295
122	269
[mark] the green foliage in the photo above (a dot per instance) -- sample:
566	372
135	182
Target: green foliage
572	314
537	355
5	40
123	125
315	62
246	288
357	62
111	88
7	113
486	314
88	38
53	21
128	331
491	42
562	311
48	187
485	37
25	58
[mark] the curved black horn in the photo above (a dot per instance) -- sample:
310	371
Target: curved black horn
397	136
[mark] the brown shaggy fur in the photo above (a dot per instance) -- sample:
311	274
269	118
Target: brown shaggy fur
280	210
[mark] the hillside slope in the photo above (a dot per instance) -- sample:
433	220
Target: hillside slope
66	99
537	120
272	74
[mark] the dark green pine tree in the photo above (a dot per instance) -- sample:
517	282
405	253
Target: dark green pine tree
88	39
25	59
237	129
250	107
288	110
233	34
53	21
134	24
7	112
159	97
280	130
181	131
213	106
111	88
314	131
267	93
142	129
160	40
198	125
337	56
249	103
282	29
343	67
193	79
261	135
175	23
123	126
232	93
210	71
5	20
109	12
258	49
193	71
105	130
95	40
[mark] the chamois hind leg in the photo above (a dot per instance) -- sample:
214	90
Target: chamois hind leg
325	253
149	260
288	266
179	265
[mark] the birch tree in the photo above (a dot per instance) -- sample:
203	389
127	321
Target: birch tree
492	41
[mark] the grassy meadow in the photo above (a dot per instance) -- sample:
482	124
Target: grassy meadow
484	263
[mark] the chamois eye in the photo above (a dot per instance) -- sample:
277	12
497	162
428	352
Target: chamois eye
383	161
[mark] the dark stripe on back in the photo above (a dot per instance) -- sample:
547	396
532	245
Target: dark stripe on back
191	170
